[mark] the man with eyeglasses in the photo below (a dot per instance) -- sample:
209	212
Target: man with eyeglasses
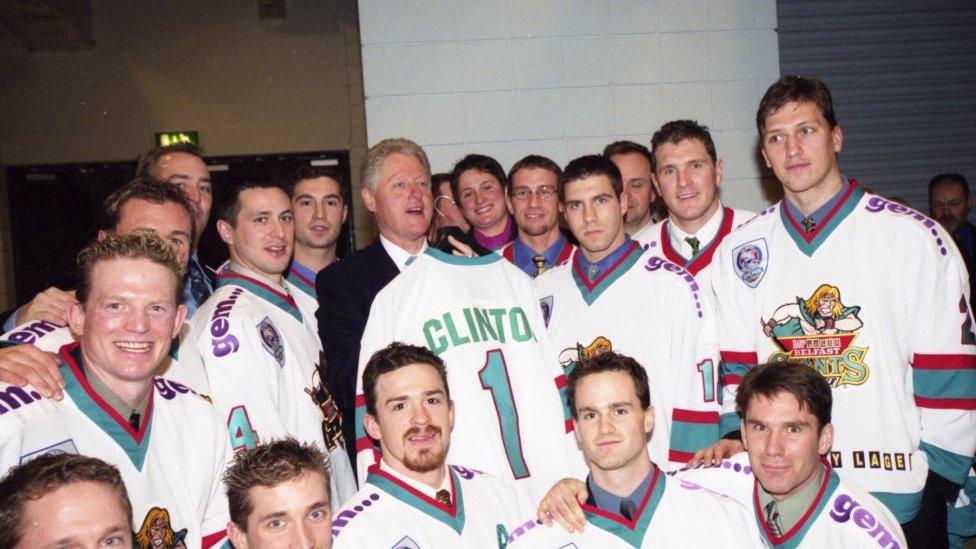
533	202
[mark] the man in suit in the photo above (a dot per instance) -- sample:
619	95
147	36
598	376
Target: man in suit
396	188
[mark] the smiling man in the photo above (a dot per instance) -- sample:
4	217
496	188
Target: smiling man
320	211
163	438
480	185
412	497
904	393
254	346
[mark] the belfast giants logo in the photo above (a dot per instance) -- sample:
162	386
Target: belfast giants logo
819	331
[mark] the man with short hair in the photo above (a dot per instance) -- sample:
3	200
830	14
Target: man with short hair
614	295
533	201
320	210
254	346
634	162
163	437
687	174
812	278
64	500
949	204
396	188
479	184
182	165
629	501
278	495
412	498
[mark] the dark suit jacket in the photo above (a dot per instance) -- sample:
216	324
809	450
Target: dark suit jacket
346	290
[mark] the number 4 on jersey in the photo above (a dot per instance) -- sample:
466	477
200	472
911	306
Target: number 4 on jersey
242	435
494	378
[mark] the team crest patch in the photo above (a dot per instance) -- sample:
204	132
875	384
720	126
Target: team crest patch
819	331
405	543
751	260
63	447
546	305
570	357
156	531
271	340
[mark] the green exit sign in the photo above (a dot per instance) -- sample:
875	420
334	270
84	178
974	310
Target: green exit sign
165	139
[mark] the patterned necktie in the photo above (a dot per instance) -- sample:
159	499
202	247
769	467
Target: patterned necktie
809	224
198	282
540	264
443	496
772	519
694	243
134	421
627	509
591	271
410	260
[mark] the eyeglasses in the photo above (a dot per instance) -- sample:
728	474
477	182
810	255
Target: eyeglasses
524	193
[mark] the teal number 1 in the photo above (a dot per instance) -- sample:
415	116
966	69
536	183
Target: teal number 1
707	370
494	378
242	435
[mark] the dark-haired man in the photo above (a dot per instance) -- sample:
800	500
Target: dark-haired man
949	204
254	346
533	200
412	497
635	164
479	184
614	295
64	500
627	500
320	211
163	438
687	173
278	495
901	371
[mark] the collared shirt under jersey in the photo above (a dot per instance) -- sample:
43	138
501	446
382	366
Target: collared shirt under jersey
792	508
399	256
610	502
121	408
705	234
820	213
416	484
606	262
523	255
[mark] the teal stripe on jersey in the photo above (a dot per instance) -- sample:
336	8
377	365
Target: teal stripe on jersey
460	259
903	506
736	369
606	279
300	282
944	383
728	422
827	225
952	466
425	505
631	534
794	538
691	437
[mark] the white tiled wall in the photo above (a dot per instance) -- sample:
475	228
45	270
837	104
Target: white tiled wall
563	78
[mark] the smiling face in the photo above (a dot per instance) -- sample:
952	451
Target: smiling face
264	234
611	426
635	171
594	214
191	175
128	320
402	201
482	200
319	212
534	202
413	419
79	515
801	148
784	443
294	513
688	180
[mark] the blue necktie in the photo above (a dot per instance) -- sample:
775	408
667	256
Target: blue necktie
198	282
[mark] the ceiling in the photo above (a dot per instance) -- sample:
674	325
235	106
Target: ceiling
49	25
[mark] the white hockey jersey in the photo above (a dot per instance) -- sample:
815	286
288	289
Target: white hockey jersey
653	311
657	239
171	466
842	515
672	514
387	512
876	300
481	316
259	350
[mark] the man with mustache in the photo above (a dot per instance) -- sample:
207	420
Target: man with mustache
411	497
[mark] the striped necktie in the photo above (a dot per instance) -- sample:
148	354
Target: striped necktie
772	519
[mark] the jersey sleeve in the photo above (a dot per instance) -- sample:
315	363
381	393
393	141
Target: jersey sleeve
379	332
216	515
944	363
736	347
694	360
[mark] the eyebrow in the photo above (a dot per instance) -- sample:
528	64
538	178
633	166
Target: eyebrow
306	195
272	514
114	529
405	397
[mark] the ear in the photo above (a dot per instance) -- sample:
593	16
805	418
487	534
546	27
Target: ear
765	156
76	318
373	427
236	535
742	430
655	187
450	408
826	439
508	204
369	199
623	201
718	172
178	320
345	213
226	232
649	420
838	136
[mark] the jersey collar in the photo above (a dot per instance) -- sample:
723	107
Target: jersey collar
281	300
450	515
808	243
704	257
298	275
630	531
592	290
793	538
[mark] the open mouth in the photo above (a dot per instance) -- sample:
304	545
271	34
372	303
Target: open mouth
134	346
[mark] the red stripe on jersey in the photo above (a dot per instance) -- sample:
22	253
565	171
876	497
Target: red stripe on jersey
679	456
694	416
360	400
561	381
364	443
946	403
211	540
747	357
731	380
569	426
944	362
